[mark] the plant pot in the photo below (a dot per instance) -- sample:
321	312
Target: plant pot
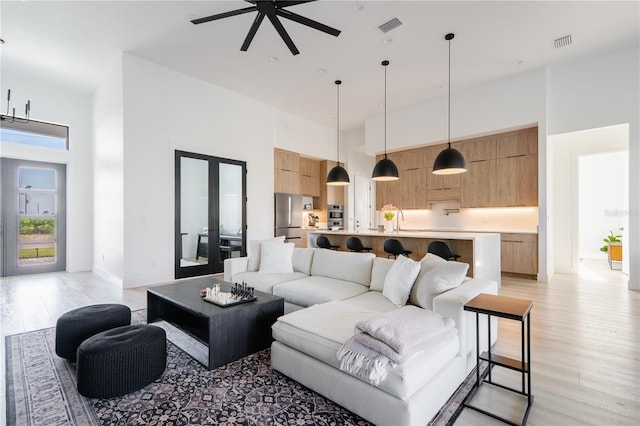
388	226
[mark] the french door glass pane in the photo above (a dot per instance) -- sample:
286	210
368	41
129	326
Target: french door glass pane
230	207
37	219
194	208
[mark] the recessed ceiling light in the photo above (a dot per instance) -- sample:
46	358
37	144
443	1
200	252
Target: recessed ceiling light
321	71
273	59
516	63
437	87
387	40
300	106
381	105
357	6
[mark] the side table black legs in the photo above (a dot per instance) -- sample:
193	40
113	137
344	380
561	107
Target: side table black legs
514	309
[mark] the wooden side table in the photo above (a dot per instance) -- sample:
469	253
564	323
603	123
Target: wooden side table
514	309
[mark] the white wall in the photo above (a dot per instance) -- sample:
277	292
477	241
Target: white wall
165	110
597	92
54	102
108	166
603	182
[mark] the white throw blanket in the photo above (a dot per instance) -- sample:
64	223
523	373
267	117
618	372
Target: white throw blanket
392	338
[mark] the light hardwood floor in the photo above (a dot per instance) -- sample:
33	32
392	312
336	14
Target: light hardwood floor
585	352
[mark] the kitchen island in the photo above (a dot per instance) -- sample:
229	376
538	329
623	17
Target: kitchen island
479	249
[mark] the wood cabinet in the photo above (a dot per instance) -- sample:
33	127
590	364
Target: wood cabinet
310	180
517	181
479	185
519	253
286	171
502	171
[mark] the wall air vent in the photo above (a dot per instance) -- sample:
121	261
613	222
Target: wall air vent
563	41
390	25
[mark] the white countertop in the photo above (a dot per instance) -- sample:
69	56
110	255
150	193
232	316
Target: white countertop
451	235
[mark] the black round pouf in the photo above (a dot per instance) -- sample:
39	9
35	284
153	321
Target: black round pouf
121	360
76	326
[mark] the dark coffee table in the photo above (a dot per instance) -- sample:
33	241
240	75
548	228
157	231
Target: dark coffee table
230	332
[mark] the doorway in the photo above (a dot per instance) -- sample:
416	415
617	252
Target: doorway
576	203
210	215
362	203
33	217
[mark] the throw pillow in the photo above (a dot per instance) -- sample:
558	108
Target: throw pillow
427	263
399	279
253	254
443	277
275	257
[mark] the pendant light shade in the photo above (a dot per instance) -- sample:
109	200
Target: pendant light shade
385	170
450	161
338	176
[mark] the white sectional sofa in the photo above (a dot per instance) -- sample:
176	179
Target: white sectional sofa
326	294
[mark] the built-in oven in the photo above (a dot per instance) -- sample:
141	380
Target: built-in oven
335	216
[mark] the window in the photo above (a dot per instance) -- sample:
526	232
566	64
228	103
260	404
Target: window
35	133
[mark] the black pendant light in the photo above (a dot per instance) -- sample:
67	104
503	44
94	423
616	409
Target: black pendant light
450	161
385	170
338	176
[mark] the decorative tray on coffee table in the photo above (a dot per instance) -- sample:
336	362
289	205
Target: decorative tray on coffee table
240	293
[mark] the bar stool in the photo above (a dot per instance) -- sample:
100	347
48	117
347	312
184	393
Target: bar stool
323	242
395	248
442	249
354	244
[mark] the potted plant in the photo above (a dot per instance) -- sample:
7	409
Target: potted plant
388	214
613	247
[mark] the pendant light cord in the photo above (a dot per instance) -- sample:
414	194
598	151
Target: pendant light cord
338	82
385	63
449	37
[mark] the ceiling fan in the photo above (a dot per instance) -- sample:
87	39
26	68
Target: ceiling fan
272	9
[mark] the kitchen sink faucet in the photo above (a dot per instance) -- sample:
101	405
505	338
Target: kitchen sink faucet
398	218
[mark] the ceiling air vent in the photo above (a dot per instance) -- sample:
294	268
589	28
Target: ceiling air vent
562	41
390	25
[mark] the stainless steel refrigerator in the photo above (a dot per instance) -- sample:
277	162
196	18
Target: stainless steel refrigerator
288	215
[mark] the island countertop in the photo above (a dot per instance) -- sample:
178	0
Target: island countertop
447	235
481	250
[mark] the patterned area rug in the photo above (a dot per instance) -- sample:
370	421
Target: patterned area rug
41	389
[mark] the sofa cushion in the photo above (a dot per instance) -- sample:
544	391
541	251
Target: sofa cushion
346	266
275	257
427	263
254	250
302	258
319	331
379	272
437	280
315	289
399	279
265	282
373	300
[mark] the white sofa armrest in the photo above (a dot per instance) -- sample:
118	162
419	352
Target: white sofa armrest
450	304
233	266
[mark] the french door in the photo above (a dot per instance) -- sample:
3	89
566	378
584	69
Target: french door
33	222
210	215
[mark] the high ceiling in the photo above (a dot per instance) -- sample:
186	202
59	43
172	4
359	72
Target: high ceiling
76	41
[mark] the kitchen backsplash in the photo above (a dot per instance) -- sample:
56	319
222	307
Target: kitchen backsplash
449	216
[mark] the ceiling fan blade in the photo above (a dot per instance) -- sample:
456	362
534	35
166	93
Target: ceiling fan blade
308	22
224	15
283	33
280	4
252	32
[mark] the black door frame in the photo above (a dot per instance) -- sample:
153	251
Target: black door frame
215	264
